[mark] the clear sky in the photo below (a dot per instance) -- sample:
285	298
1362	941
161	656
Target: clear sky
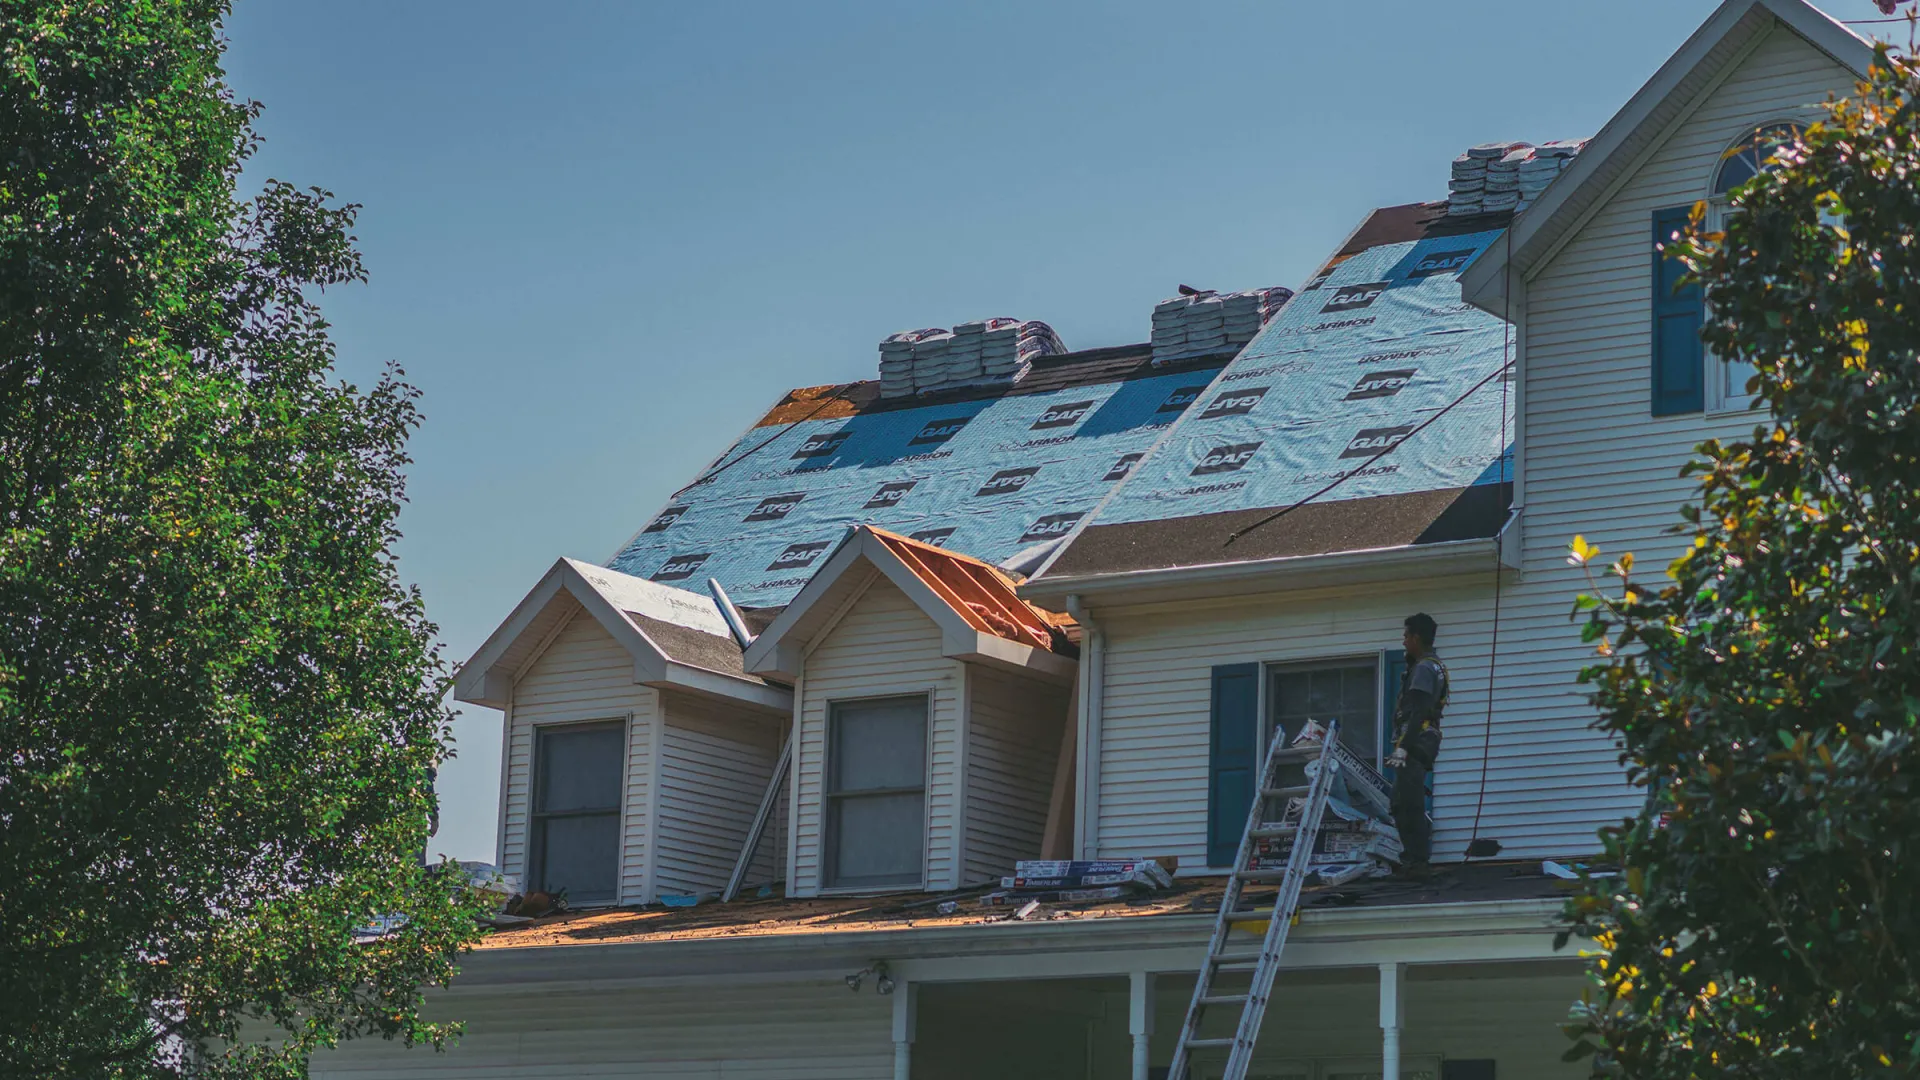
604	237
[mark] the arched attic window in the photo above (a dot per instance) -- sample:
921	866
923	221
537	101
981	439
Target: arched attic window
1752	154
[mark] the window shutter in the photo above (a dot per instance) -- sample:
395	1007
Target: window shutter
1679	357
1232	746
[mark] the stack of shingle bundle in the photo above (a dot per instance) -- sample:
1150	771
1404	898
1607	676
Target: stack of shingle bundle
896	361
1206	323
983	352
1063	881
1504	177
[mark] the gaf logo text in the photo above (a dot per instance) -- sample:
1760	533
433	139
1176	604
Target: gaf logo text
889	494
1007	481
1440	262
1181	398
1062	415
1235	403
681	566
667	517
1225	458
1051	526
1381	383
936	537
1123	467
1371	441
798	555
821	445
1355	297
776	507
939	431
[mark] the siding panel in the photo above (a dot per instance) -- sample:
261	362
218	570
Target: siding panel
714	766
1013	735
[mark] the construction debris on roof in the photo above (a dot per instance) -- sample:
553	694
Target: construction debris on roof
985	352
1506	177
981	594
1201	322
985	470
1077	881
1297	447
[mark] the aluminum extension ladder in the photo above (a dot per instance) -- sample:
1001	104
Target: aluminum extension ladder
1265	964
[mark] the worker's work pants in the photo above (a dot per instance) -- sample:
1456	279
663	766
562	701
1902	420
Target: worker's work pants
1410	813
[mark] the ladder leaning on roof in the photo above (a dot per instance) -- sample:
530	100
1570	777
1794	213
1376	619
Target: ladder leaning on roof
1265	964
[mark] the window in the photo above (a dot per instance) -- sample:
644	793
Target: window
876	792
576	811
1347	691
1749	156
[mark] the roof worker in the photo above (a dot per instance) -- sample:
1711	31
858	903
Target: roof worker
1416	742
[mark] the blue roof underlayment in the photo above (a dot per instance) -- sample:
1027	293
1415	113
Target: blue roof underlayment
1351	366
983	477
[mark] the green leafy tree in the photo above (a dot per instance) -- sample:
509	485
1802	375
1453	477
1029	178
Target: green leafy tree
1767	920
219	708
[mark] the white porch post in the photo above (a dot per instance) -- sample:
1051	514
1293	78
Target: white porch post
906	1016
1391	1016
1140	1021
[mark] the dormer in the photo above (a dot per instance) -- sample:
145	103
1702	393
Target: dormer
931	704
636	746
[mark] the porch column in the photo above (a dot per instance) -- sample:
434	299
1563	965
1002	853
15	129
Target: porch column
906	1017
1391	976
1140	1021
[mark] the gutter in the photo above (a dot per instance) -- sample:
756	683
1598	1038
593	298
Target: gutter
1163	942
1234	578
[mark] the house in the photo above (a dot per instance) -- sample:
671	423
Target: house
1103	697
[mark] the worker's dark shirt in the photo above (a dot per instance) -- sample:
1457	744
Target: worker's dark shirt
1416	715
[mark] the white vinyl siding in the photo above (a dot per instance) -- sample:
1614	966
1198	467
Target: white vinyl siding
1153	750
582	675
713	769
883	646
1596	462
763	1031
1013	743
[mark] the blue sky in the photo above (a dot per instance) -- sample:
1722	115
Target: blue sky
604	237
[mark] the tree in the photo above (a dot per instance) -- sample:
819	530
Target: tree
1765	923
218	706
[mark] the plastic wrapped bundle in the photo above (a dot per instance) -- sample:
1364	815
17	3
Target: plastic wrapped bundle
896	361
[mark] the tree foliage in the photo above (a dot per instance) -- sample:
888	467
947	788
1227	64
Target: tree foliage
218	705
1766	922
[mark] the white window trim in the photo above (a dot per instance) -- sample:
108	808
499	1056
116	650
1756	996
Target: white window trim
1721	399
926	799
538	727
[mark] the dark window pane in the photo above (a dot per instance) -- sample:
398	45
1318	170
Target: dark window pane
580	769
880	744
878	839
1345	693
582	855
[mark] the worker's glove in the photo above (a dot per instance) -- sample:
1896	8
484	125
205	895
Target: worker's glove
1397	758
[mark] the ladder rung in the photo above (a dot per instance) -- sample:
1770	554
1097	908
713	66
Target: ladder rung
1268	832
1210	1044
1224	999
1298	791
1246	961
1259	875
1297	753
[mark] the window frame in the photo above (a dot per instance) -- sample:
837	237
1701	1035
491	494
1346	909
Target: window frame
829	826
1382	696
536	840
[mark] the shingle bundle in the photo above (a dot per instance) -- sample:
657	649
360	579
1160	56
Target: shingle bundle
983	352
1207	323
1499	177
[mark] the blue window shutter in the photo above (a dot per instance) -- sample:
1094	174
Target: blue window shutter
1679	357
1231	749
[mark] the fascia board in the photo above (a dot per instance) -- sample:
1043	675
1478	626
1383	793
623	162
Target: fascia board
1239	578
720	686
978	647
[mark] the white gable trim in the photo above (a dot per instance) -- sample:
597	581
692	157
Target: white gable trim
487	679
1638	128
